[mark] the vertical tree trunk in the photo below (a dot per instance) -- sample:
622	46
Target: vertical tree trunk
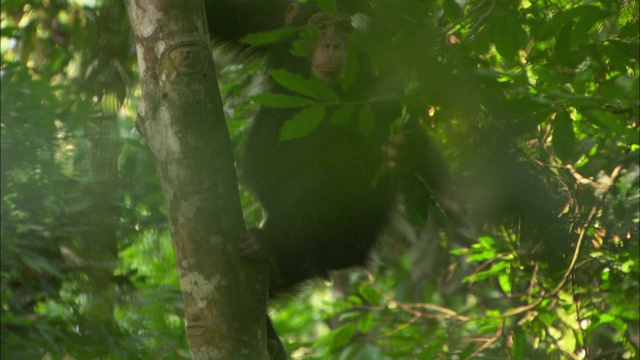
98	235
181	118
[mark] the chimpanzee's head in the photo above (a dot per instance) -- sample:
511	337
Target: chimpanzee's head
327	55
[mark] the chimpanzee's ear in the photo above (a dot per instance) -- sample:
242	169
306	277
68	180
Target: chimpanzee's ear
292	12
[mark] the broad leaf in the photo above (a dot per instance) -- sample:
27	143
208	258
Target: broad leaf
343	115
268	37
281	101
303	123
312	88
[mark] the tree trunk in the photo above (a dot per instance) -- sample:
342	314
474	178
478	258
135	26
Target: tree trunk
181	118
98	242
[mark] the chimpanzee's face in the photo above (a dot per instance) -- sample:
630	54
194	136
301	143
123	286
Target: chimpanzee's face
329	54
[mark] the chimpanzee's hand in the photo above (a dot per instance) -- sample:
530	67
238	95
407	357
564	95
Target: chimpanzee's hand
396	152
251	247
254	247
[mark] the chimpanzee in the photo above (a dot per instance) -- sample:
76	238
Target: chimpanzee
324	194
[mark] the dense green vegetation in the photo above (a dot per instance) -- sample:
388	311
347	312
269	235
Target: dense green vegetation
524	97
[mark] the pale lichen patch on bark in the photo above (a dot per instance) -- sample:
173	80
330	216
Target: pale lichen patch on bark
199	287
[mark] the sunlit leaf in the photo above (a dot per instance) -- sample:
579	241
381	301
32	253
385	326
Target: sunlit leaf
505	282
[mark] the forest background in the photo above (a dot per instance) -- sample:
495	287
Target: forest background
87	264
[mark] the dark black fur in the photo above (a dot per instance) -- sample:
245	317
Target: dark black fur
325	204
231	20
324	211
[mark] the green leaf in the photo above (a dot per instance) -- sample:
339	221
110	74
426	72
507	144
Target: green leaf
343	115
584	17
629	30
582	81
307	37
268	37
352	66
328	6
551	27
303	123
369	294
493	271
564	139
505	282
322	91
451	9
366	120
484	249
366	322
9	5
291	81
519	345
509	36
281	101
313	88
613	122
342	336
588	16
564	55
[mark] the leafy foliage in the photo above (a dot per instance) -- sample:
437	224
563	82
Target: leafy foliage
526	98
63	80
